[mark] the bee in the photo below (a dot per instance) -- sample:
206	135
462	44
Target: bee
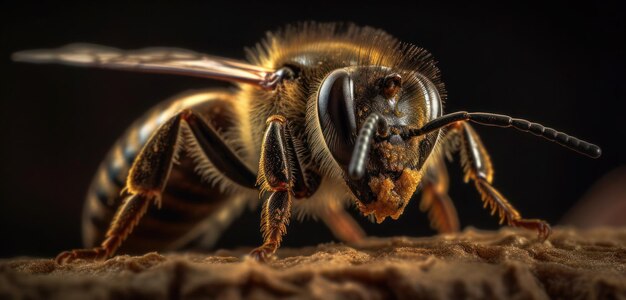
321	116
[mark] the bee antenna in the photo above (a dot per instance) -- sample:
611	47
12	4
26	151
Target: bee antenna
373	123
490	119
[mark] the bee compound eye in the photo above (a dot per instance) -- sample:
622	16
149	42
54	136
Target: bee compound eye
335	104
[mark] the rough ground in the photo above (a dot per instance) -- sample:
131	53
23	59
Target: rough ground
506	264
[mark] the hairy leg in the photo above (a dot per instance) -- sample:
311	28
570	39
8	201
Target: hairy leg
478	168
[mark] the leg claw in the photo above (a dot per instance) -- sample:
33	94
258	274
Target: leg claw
261	254
67	257
542	227
64	257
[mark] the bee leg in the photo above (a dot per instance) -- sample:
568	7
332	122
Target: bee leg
145	182
149	173
274	221
306	182
342	225
126	218
477	167
274	176
435	199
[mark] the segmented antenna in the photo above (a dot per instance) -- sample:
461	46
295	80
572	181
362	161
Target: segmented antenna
490	119
360	154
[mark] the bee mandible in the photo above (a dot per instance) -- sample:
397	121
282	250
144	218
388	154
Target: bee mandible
323	115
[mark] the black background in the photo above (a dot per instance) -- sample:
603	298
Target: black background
563	66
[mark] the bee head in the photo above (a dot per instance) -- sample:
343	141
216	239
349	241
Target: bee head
364	113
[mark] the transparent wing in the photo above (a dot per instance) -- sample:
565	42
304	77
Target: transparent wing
154	60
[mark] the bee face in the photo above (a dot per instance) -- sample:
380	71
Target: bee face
404	100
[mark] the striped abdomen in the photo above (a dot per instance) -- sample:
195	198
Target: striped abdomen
190	205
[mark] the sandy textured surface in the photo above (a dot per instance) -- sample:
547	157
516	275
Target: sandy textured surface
506	264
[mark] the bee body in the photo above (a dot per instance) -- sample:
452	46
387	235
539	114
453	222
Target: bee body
323	115
314	52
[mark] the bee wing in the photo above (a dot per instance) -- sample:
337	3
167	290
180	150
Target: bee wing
154	60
